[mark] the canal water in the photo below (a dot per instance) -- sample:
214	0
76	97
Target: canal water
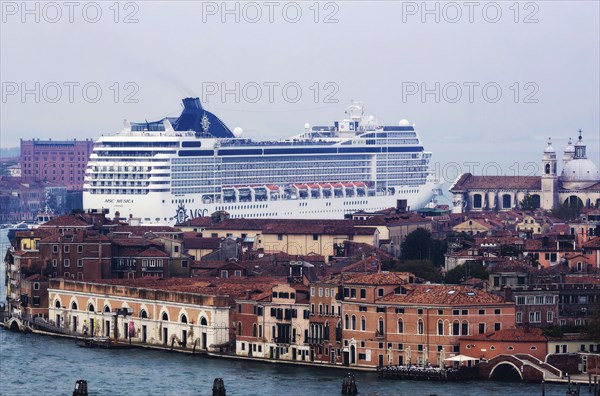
34	364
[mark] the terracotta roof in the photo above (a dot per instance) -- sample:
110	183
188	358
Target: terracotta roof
375	279
66	221
78	236
507	265
36	278
446	295
152	252
197	222
467	181
135	242
369	264
142	230
592	243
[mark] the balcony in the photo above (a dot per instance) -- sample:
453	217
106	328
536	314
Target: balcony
283	340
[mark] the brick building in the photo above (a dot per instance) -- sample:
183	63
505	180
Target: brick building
60	161
420	324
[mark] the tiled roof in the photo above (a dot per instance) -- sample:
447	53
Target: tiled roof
446	295
142	230
506	265
78	236
197	222
369	264
405	218
36	278
592	243
66	221
152	252
467	181
134	242
375	279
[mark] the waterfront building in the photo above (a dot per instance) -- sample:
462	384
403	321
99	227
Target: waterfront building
274	325
23	201
577	185
418	323
34	296
180	313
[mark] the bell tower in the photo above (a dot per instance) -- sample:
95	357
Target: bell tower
549	178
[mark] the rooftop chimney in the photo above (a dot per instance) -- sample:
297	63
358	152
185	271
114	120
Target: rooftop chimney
401	205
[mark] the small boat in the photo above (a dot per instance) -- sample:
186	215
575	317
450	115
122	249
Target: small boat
103	343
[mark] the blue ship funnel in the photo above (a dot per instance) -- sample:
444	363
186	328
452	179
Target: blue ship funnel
197	119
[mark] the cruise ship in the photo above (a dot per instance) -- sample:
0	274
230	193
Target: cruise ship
171	170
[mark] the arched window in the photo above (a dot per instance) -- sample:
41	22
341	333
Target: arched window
400	326
57	304
535	199
547	169
143	314
74	306
165	317
381	328
506	201
363	323
420	327
91	308
353	322
440	329
254	330
203	321
239	328
346	322
477	201
106	309
465	328
183	318
574	202
455	328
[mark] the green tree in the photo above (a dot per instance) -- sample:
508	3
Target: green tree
470	269
421	268
439	247
528	203
417	245
567	211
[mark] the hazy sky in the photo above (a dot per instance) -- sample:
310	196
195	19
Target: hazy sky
543	56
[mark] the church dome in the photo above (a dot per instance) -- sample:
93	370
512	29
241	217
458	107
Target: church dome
580	173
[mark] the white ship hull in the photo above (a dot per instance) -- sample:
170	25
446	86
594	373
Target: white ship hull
165	209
